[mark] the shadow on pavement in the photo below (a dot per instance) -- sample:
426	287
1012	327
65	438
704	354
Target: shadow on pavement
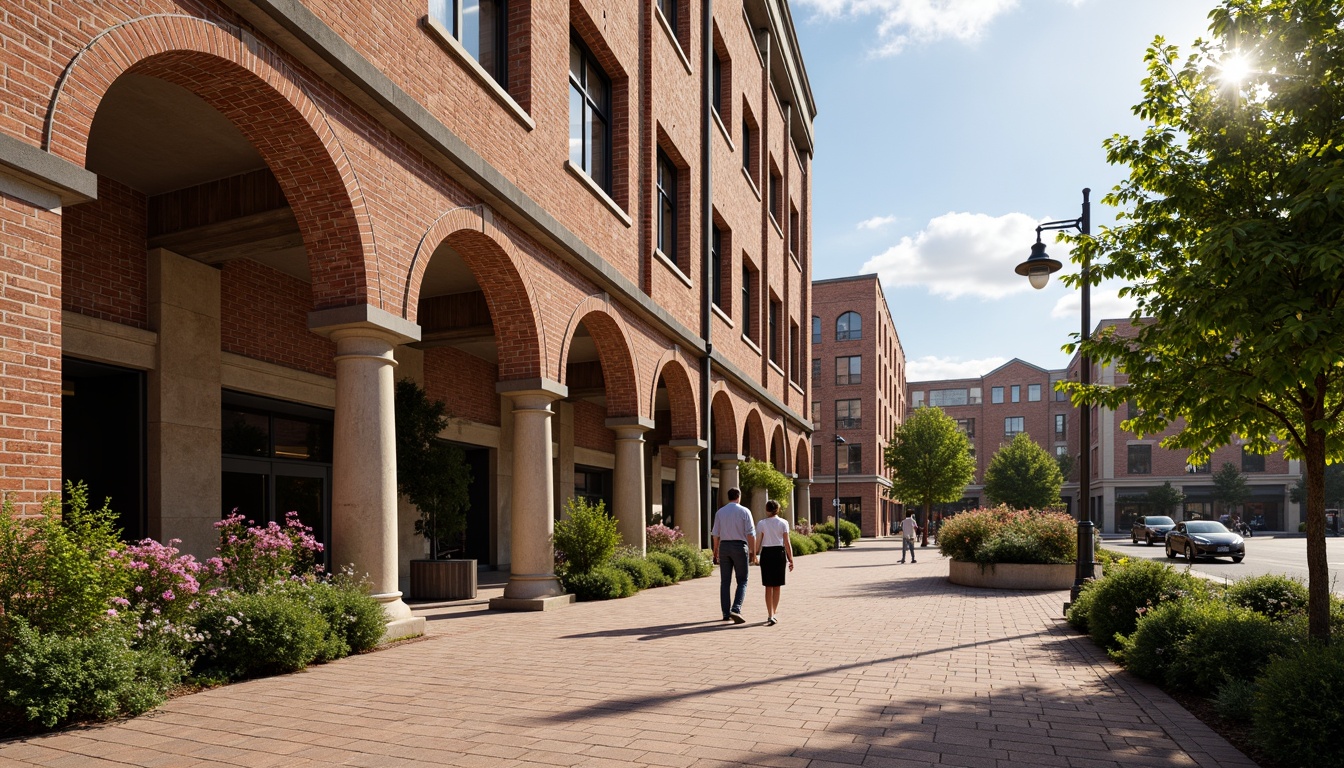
658	632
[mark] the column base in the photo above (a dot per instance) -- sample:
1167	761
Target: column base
530	603
401	623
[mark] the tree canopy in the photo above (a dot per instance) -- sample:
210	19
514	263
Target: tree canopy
1165	498
762	474
1230	487
929	459
1023	476
1231	239
1334	488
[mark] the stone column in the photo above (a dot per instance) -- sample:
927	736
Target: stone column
802	494
532	585
728	477
758	498
790	514
628	500
687	513
364	460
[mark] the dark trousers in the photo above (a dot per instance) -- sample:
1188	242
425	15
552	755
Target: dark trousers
732	561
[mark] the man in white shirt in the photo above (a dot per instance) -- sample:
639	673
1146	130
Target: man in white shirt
734	538
909	529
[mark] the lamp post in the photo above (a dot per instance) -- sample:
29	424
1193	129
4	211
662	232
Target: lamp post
1037	268
839	441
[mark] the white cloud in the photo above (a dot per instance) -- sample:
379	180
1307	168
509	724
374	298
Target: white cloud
1106	305
877	222
934	368
960	254
905	22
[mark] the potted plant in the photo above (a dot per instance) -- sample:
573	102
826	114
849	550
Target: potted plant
433	475
1004	548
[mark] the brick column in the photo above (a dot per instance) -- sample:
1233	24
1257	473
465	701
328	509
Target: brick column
687	513
628	501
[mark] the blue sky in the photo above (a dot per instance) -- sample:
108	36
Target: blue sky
946	130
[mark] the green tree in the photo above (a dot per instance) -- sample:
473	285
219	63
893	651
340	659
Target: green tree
1231	240
1164	499
1334	487
1023	476
1229	487
930	461
431	473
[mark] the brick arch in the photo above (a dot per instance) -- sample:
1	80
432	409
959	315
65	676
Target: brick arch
502	274
725	422
778	449
753	436
253	87
673	369
802	461
612	337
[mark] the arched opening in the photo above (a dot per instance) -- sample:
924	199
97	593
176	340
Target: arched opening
778	453
674	424
753	437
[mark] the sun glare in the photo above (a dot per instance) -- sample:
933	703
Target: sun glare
1235	68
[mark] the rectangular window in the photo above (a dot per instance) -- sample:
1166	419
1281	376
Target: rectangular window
816	413
1033	392
947	397
816	330
1140	459
795	352
816	368
717	74
716	265
480	26
1060	424
589	115
1013	425
848	414
1059	396
996	395
667	207
848	370
1017	393
774	193
748	291
1252	462
974	398
851	459
772	342
917	399
1199	469
669	10
1061	450
747	148
967	427
795	230
1131	409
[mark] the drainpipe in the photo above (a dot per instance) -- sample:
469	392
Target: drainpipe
706	270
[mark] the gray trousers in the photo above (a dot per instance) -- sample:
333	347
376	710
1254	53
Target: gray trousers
732	561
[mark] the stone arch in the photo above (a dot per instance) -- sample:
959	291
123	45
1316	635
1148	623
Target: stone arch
779	454
802	461
725	422
502	274
265	98
674	369
613	339
753	436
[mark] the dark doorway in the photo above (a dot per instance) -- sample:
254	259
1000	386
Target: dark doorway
103	438
476	540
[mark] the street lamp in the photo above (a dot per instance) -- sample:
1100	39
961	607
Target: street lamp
1037	268
839	441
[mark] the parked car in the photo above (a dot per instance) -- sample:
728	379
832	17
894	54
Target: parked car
1152	529
1205	538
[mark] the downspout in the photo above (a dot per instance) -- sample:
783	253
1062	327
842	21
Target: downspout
706	269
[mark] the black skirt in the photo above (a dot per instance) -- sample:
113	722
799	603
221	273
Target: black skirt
773	564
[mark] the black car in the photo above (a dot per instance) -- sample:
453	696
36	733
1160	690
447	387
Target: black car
1151	529
1205	538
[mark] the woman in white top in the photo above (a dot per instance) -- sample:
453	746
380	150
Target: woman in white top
773	549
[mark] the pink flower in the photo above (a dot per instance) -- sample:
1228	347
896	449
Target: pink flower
168	594
112	612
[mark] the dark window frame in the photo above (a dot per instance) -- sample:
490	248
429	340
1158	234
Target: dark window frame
850	377
850	333
498	70
667	193
580	83
1140	461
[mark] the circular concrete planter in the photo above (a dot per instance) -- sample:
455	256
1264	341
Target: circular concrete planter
1011	575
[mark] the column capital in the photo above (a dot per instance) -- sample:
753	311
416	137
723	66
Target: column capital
363	320
733	457
687	447
629	424
518	387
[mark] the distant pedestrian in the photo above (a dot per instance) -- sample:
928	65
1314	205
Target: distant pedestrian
734	538
773	550
909	530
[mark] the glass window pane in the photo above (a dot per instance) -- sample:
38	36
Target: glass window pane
246	434
597	149
575	62
246	494
576	127
471	28
300	439
442	12
305	496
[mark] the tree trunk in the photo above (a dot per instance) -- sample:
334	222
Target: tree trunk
1318	577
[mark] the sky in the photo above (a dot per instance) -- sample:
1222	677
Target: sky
946	130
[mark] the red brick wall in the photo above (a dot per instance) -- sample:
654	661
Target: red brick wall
104	269
264	315
466	383
590	428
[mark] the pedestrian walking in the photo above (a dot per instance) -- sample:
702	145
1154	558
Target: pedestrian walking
909	529
773	550
734	538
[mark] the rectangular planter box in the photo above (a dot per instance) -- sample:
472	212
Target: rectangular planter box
443	579
1012	575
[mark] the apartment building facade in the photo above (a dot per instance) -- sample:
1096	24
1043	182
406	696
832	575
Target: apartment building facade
858	393
229	226
1020	397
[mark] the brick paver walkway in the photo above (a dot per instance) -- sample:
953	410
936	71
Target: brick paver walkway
873	664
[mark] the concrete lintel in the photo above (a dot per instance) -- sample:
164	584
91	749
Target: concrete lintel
729	457
62	178
629	421
699	445
530	604
366	316
518	386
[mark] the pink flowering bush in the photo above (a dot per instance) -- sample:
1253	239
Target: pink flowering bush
659	536
1003	535
163	582
253	557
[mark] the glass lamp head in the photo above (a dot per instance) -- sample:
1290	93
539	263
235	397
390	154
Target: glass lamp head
1038	267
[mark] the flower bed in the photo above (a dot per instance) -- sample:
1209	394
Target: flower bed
1003	535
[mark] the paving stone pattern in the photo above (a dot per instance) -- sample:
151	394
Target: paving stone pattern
872	664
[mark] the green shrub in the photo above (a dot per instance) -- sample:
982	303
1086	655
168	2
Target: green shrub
696	564
1226	642
849	532
1106	556
1003	535
54	678
586	536
601	583
1114	602
254	634
354	618
802	545
1297	716
671	566
1236	701
1155	642
643	573
1277	597
825	542
1302	527
1079	609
